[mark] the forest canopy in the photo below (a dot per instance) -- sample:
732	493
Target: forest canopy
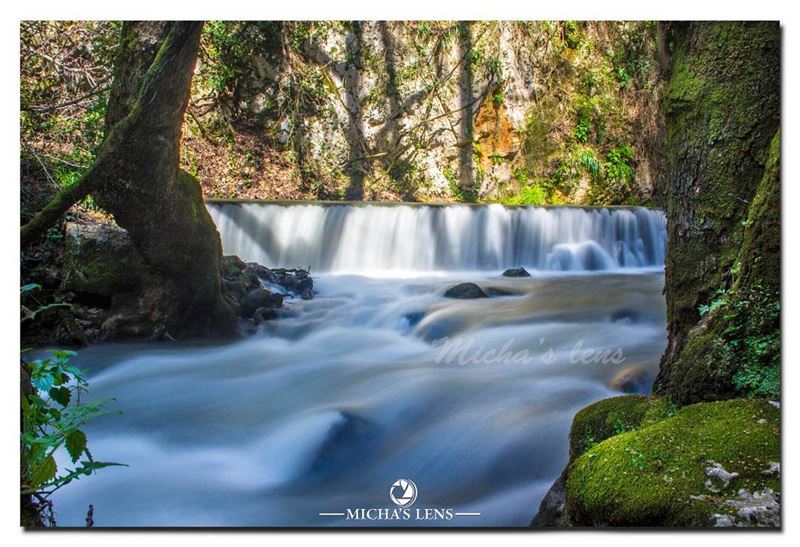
509	112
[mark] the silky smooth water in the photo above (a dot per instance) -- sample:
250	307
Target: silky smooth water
322	410
384	238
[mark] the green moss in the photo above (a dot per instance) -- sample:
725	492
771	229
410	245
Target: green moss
647	477
736	350
613	416
722	106
760	254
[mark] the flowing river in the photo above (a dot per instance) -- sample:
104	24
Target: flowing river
310	421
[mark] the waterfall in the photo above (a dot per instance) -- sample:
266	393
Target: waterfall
382	237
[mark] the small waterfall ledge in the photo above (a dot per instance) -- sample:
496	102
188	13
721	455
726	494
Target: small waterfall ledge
367	238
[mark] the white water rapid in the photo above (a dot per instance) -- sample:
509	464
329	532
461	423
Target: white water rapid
323	409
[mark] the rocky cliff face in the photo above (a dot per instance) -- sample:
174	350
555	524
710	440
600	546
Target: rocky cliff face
538	112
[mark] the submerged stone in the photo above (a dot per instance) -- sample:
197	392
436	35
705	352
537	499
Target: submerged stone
498	291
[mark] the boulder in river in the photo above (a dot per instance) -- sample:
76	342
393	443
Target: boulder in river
552	512
256	292
264	314
465	291
516	272
259	298
295	280
631	380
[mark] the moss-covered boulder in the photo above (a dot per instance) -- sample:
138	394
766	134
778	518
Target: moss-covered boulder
613	416
696	468
100	260
592	425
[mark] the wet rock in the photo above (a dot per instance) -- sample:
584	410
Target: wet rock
259	298
261	271
256	292
552	509
516	272
264	314
232	266
345	440
438	326
294	281
306	288
124	325
631	380
465	291
625	316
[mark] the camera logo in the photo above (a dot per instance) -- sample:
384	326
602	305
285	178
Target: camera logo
403	492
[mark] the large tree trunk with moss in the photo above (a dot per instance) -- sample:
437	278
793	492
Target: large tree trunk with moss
723	209
137	179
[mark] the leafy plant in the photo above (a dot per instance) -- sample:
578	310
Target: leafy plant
29	314
582	129
533	195
572	34
590	163
53	416
618	162
750	342
705	309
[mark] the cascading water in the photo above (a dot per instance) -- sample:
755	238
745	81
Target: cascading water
346	238
380	377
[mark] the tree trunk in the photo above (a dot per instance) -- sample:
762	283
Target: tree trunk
136	177
722	110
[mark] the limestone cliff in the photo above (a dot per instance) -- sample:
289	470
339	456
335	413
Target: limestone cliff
517	112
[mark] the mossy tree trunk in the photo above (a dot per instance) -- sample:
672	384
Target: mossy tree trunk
136	177
722	106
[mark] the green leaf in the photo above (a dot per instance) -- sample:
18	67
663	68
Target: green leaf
61	395
44	472
62	353
76	444
43	383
